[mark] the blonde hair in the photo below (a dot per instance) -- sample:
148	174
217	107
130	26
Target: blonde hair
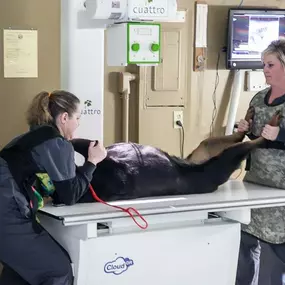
45	107
276	48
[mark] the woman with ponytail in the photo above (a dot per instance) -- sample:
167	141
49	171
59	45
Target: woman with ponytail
36	166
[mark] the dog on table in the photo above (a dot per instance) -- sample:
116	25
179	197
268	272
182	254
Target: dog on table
132	171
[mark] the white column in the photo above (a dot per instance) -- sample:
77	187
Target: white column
82	65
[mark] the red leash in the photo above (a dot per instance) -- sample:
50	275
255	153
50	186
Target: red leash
126	210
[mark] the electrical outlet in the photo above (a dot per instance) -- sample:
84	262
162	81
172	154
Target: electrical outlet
255	81
177	116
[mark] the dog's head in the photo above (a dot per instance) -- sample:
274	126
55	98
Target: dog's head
81	146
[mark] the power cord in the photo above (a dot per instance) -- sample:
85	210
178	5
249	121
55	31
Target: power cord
214	99
178	123
240	4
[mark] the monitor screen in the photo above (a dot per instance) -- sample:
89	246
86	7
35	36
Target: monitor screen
249	33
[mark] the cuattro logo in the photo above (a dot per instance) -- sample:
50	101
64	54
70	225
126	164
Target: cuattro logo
118	266
147	9
88	110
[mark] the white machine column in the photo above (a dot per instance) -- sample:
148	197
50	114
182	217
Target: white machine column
235	95
82	65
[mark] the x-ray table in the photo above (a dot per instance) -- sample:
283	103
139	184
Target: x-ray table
185	243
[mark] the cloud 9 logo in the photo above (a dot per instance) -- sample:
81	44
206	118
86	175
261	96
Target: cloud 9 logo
118	266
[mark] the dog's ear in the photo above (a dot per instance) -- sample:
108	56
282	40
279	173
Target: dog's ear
81	146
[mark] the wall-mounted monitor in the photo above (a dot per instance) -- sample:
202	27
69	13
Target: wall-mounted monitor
249	32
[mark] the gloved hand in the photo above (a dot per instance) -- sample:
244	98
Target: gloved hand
270	133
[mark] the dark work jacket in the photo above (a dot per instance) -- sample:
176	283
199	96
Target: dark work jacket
41	150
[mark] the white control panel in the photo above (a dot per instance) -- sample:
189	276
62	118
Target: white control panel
144	43
133	43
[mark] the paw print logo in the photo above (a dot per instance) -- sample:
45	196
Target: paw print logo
88	103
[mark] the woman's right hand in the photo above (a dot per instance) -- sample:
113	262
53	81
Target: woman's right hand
243	125
96	153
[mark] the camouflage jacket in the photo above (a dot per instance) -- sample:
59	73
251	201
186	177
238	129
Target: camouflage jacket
267	167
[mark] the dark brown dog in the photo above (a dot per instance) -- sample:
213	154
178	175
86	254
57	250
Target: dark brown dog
133	171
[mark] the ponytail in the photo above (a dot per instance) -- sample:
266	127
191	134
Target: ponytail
45	107
38	111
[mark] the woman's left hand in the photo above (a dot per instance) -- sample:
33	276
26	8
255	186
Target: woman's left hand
270	133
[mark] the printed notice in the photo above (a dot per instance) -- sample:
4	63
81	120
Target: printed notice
201	26
20	53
